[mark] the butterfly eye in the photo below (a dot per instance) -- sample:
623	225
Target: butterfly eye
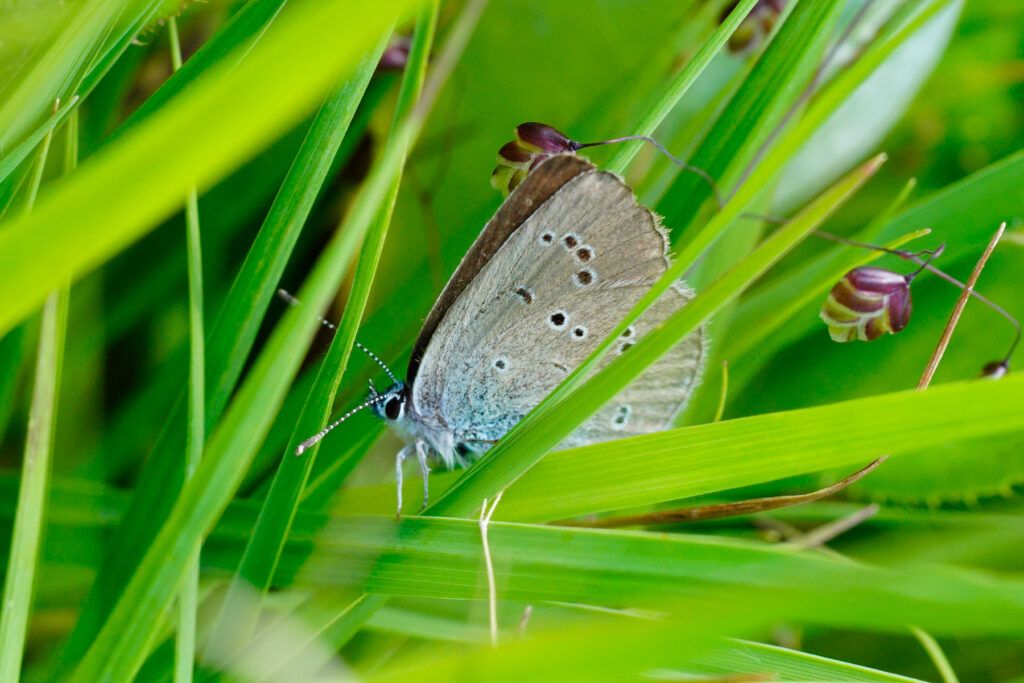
393	408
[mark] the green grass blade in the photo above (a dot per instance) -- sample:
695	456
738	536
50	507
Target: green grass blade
12	159
543	429
936	654
739	657
752	115
440	558
123	643
199	136
278	511
188	597
228	346
230	43
716	457
680	84
54	72
35	469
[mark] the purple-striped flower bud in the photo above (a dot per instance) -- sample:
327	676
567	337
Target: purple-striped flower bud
867	303
534	143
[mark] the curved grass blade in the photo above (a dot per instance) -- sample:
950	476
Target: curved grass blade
778	82
13	158
55	73
440	558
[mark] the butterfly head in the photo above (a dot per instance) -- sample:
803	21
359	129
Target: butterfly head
389	404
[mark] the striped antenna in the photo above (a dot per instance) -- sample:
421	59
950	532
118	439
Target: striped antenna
379	362
313	440
289	299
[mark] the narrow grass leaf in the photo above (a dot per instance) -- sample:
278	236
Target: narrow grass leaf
12	159
35	468
752	116
188	598
441	558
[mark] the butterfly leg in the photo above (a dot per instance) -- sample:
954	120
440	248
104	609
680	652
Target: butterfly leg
422	450
399	459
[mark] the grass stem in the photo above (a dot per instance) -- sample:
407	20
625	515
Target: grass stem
35	470
188	597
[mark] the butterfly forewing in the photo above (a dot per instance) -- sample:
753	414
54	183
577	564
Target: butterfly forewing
554	288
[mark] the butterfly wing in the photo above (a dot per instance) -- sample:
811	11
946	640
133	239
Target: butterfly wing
654	399
554	288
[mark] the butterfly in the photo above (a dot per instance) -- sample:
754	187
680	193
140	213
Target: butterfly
565	257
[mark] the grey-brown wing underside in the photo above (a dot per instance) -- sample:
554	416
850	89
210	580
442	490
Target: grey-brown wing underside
538	187
555	287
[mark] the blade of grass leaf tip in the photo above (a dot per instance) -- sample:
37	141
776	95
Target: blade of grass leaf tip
545	426
188	597
35	469
123	643
278	511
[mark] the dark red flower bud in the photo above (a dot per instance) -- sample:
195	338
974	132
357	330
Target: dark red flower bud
867	303
534	143
540	137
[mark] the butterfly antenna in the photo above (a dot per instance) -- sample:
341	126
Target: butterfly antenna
289	299
675	160
378	361
315	439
